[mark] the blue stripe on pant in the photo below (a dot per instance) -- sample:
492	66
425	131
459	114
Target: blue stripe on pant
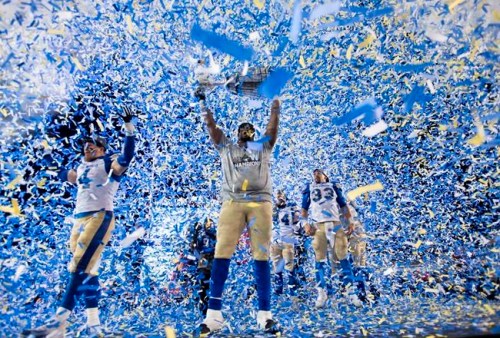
95	242
74	288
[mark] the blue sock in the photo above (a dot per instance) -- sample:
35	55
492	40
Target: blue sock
220	270
263	281
292	280
278	280
73	290
347	271
320	274
90	289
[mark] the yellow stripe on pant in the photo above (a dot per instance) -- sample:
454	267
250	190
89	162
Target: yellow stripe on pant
89	236
232	220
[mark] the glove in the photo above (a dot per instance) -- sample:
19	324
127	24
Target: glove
200	94
128	114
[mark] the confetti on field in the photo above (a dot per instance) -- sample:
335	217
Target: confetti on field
396	100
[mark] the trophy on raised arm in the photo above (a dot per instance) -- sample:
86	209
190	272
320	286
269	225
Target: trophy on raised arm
245	83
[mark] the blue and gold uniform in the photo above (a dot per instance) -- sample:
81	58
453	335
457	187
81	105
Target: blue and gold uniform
357	239
97	178
246	195
325	199
285	233
93	218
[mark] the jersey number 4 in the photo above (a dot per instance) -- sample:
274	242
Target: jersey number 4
84	179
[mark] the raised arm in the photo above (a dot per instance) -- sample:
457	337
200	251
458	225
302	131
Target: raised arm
272	125
214	131
121	163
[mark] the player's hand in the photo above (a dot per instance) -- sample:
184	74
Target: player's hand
127	114
309	229
350	228
200	94
275	107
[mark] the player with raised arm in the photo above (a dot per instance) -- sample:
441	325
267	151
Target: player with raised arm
97	178
246	202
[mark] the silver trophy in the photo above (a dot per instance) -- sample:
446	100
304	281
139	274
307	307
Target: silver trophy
245	83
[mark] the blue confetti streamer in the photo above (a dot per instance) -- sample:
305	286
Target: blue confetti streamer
221	43
274	83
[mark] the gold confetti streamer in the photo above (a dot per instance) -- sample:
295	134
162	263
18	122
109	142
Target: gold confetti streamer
14	182
302	62
41	183
14	209
259	4
454	3
99	123
77	63
244	186
367	188
348	54
480	136
169	332
55	31
130	26
367	42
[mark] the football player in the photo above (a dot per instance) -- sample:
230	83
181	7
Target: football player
325	201
357	238
97	178
246	202
285	234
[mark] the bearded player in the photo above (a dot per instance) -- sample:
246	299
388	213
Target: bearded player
97	178
246	202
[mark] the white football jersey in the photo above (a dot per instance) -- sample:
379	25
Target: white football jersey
96	186
288	224
324	206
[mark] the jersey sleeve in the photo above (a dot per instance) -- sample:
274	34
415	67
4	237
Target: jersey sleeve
306	197
340	196
108	160
223	144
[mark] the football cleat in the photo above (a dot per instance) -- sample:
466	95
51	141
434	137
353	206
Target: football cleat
213	322
52	329
322	298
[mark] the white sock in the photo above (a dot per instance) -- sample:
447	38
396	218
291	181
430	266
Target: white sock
262	316
214	314
62	314
93	317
